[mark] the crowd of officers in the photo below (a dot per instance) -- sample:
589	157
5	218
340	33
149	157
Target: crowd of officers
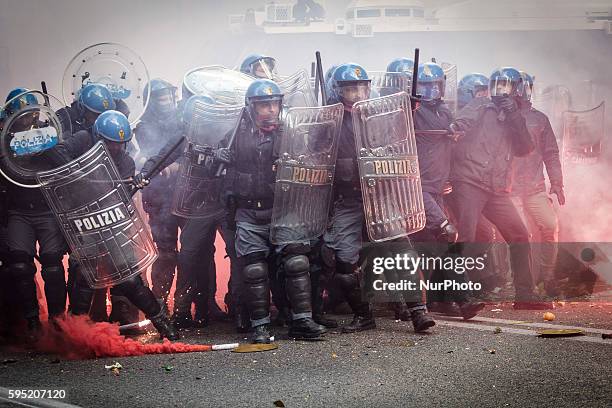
492	153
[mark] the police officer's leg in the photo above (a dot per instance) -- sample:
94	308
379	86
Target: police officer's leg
345	237
141	296
253	248
279	293
189	264
52	248
235	301
319	281
164	229
21	243
10	312
540	208
82	295
298	288
501	211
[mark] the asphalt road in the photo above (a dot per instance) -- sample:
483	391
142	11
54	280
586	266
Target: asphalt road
460	364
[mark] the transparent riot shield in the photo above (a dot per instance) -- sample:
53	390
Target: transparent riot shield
553	101
224	85
583	134
388	167
198	189
388	83
114	65
305	173
450	89
297	91
103	227
29	126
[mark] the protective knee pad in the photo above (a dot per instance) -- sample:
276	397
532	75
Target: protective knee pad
23	275
55	288
258	289
297	283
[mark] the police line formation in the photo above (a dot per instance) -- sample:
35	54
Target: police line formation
296	188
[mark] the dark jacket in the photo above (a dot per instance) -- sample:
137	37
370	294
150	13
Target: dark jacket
252	175
529	170
434	151
346	180
493	138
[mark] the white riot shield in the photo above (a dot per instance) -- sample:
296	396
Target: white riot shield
29	126
224	85
113	65
198	189
583	134
388	83
450	89
297	91
305	173
104	229
388	167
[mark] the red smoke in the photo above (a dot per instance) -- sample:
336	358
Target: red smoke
80	338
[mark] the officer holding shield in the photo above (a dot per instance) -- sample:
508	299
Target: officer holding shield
251	179
113	128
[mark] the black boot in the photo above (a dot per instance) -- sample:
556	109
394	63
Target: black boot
470	308
306	329
401	311
243	324
421	321
360	323
182	321
164	326
261	334
445	308
323	320
33	330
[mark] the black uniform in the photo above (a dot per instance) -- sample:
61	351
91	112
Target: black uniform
250	182
481	174
151	135
133	289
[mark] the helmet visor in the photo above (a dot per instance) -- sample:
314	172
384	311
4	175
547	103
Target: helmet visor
352	92
501	86
164	100
264	68
430	91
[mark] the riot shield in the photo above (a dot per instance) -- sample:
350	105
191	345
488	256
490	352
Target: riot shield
583	133
197	192
224	85
305	173
388	83
113	65
297	91
388	167
103	227
553	101
29	126
450	89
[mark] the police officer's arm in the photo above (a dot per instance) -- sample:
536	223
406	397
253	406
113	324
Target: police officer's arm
176	154
70	148
522	143
550	154
467	117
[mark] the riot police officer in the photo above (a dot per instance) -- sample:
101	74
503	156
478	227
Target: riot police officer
113	128
30	221
251	177
259	66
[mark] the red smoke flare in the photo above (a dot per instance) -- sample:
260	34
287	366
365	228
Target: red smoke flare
80	338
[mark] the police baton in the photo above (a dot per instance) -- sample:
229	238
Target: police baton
321	80
231	142
155	169
414	97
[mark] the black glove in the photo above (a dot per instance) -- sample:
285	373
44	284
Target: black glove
140	181
448	233
454	133
506	103
558	190
224	155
